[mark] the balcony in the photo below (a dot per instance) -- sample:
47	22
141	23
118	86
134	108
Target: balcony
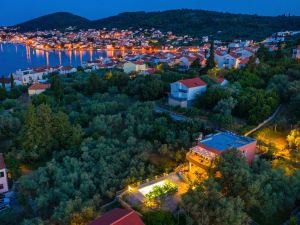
178	98
198	160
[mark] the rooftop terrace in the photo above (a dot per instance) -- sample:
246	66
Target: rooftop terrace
225	140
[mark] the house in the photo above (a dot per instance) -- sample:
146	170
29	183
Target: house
219	58
37	88
30	76
6	83
203	154
3	176
222	82
67	70
230	60
118	217
242	63
296	52
184	92
137	66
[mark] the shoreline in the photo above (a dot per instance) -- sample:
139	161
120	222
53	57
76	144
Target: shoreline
146	49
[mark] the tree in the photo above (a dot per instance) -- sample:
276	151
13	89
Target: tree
293	140
211	97
95	84
45	131
108	75
210	64
225	106
294	106
12	81
206	206
58	88
233	173
279	83
3	82
158	217
196	64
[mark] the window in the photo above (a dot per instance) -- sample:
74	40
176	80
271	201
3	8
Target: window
1	174
1	186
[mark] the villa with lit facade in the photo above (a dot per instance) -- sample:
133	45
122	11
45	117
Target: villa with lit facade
203	154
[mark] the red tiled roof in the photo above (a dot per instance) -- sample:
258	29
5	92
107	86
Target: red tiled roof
118	217
233	55
244	61
38	86
39	70
194	82
5	80
218	53
220	80
66	68
138	62
151	70
2	164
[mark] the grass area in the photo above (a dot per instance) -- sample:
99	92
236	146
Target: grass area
285	164
269	136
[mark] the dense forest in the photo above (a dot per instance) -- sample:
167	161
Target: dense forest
71	148
196	23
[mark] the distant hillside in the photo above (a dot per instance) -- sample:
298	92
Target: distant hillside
59	20
192	22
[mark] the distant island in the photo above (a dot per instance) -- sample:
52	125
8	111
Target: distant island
224	26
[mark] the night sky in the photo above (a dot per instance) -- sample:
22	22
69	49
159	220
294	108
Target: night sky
16	11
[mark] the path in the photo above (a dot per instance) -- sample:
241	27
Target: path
264	122
174	116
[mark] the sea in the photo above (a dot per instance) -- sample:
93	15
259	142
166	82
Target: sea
18	56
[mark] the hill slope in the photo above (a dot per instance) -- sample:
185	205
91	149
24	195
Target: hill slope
192	22
59	20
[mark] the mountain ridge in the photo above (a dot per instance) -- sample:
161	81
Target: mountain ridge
183	21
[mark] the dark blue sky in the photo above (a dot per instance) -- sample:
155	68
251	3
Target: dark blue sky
15	11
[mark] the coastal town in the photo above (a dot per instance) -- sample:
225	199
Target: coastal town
162	129
137	52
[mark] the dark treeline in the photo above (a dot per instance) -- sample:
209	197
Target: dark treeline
196	23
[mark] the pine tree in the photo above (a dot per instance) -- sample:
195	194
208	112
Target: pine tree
3	82
57	88
210	64
12	81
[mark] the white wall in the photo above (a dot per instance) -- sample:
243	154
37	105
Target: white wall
3	181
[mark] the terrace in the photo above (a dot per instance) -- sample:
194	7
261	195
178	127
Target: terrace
163	192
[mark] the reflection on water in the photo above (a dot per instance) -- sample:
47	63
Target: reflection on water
16	56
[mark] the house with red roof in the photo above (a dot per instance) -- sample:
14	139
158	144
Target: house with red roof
222	82
184	92
118	217
203	154
37	88
3	176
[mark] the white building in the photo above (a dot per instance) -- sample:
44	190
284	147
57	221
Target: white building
3	176
67	70
30	76
137	67
296	52
184	92
37	88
